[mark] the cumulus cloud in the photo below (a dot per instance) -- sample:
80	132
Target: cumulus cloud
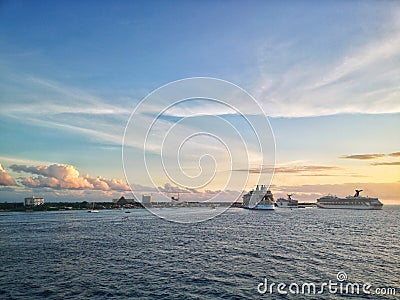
142	188
104	184
168	188
60	176
363	156
53	176
5	178
209	195
206	195
164	193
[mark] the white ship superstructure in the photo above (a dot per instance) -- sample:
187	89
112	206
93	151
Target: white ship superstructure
350	202
261	198
287	203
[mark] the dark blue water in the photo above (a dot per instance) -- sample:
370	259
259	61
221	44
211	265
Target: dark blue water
76	255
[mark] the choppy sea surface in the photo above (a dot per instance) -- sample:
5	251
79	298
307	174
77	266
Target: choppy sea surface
76	255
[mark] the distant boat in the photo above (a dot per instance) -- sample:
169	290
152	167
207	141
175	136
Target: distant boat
93	210
350	202
259	199
287	203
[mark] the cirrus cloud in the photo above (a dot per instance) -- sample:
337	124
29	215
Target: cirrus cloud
393	163
363	156
293	170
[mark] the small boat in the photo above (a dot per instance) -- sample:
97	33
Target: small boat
93	210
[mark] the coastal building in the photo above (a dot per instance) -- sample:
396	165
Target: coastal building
124	201
147	199
33	201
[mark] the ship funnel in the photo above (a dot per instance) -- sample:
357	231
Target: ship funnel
357	194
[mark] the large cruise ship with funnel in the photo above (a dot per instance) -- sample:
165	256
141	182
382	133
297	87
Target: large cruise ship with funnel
350	202
287	203
261	199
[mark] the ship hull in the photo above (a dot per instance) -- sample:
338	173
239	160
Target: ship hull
259	199
262	207
353	207
286	205
355	202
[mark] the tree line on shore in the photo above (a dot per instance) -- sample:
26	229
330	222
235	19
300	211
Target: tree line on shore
54	206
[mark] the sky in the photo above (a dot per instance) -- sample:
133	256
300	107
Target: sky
316	84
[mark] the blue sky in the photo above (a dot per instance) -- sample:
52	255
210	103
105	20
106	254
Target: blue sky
327	74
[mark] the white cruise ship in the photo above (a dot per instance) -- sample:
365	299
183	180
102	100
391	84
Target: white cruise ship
260	198
287	203
350	202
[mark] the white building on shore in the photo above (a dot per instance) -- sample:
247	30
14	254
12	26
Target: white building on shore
33	201
147	199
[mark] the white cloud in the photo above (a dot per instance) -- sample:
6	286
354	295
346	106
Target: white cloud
359	79
24	161
377	51
32	95
42	102
5	178
60	176
165	192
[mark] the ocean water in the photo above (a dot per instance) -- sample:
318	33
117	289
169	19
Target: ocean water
76	255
